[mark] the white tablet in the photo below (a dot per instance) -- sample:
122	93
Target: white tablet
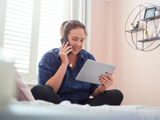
91	71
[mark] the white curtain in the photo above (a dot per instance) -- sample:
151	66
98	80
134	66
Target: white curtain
81	10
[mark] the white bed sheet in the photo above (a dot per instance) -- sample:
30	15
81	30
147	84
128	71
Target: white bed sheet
41	110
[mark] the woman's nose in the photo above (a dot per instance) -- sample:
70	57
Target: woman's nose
78	43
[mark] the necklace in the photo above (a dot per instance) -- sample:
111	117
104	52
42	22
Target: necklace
72	59
70	65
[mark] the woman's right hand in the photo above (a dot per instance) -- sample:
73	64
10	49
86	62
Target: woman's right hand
63	53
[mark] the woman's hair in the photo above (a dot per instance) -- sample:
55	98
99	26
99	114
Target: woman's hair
69	25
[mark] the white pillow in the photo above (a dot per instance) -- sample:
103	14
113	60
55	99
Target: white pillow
23	92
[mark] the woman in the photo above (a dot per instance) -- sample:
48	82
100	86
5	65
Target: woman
56	76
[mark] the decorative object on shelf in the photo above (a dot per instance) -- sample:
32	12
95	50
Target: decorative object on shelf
157	12
156	28
158	33
146	36
155	33
136	28
142	41
131	26
150	12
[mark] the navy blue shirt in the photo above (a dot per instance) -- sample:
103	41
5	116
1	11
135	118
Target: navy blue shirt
70	89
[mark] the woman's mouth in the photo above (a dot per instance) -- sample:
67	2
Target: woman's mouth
76	49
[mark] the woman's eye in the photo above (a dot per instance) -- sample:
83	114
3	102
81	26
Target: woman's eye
82	40
74	39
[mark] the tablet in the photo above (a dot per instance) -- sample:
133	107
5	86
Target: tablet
91	71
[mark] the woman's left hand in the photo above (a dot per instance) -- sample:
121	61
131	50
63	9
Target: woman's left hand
106	81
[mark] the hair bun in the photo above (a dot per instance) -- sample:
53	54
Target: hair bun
69	25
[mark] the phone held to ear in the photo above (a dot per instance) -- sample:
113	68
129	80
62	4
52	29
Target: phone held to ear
65	39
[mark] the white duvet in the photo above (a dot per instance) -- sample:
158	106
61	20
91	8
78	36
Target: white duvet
41	110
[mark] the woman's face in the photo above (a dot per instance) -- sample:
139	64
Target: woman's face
76	39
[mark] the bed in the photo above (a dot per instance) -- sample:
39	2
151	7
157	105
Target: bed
24	107
41	110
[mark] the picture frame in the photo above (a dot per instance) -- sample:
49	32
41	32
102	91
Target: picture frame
149	12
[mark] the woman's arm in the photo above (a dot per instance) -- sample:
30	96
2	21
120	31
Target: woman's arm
99	90
96	92
56	80
106	83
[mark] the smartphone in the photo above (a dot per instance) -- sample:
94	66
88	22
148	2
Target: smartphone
65	39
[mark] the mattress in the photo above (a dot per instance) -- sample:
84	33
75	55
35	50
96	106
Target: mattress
41	110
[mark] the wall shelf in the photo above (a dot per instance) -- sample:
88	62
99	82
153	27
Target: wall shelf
150	39
143	25
151	18
134	31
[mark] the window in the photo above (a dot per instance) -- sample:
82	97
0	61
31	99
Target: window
50	20
17	36
32	27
